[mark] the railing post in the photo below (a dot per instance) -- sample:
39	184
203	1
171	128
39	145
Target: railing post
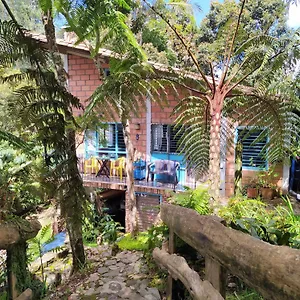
216	275
171	251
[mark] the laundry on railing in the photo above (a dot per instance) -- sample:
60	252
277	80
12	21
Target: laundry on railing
165	171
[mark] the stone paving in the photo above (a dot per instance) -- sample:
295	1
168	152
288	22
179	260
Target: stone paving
123	276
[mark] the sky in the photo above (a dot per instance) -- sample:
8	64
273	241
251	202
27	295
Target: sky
293	21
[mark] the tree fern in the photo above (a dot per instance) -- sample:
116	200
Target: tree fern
250	89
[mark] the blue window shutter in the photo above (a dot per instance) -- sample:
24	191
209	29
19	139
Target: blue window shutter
120	138
253	148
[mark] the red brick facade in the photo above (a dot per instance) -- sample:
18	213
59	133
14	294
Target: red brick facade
83	80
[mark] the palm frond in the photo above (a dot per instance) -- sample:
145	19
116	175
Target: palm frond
15	141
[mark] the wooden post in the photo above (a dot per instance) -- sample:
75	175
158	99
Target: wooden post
216	275
26	295
171	251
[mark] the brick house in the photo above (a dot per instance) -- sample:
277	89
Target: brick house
154	136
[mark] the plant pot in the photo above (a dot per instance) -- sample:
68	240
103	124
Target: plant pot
267	193
252	192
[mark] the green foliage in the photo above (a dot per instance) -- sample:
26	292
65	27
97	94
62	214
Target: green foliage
279	226
146	240
109	229
90	226
39	289
197	199
247	294
44	236
20	187
240	207
258	18
26	13
96	227
156	235
129	242
102	24
3	296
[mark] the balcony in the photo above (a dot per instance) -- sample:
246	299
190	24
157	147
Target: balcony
92	178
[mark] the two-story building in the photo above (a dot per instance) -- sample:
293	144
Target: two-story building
154	138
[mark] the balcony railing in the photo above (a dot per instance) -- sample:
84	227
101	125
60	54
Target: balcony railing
99	173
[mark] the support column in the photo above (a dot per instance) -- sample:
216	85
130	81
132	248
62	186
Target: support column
148	130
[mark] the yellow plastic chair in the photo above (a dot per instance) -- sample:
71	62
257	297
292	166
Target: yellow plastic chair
91	166
118	166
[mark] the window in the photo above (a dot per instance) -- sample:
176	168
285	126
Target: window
108	141
254	142
106	72
164	138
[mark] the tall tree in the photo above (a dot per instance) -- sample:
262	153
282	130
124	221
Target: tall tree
43	104
99	24
74	182
241	81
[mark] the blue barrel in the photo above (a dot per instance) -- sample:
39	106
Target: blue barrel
139	172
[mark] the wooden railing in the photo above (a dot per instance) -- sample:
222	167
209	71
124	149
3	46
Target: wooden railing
274	271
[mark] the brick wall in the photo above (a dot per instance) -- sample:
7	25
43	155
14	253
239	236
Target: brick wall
84	79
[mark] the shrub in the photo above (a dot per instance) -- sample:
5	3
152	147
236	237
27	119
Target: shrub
96	226
197	199
109	229
146	240
279	226
139	242
241	207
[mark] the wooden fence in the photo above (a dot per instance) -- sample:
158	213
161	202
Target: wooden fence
274	271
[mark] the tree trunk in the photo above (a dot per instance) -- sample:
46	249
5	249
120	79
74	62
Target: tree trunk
74	192
71	205
131	198
214	153
17	272
238	169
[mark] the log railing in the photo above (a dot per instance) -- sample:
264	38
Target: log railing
274	271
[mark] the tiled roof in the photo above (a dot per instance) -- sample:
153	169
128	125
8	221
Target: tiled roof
70	44
108	54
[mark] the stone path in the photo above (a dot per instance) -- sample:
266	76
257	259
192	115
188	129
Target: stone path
123	276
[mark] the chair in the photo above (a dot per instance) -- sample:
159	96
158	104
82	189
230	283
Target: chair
165	171
118	166
91	166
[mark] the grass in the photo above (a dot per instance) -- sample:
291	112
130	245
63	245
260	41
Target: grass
247	294
90	244
140	242
3	296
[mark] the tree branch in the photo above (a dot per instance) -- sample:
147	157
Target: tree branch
224	73
213	77
187	48
179	269
187	87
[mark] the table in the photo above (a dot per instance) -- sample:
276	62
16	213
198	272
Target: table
104	167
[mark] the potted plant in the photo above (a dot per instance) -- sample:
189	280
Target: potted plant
251	189
265	181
